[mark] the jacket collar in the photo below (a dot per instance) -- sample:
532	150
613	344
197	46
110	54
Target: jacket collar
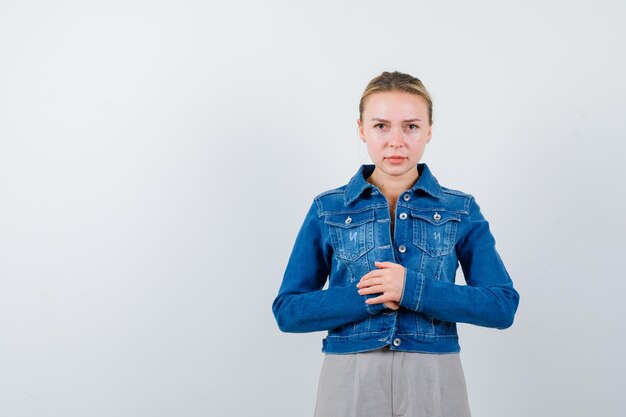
426	181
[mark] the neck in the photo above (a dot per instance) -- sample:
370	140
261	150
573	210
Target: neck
393	186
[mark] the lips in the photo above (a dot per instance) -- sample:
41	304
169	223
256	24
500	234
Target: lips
396	157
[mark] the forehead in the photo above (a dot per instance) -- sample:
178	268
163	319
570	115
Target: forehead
395	104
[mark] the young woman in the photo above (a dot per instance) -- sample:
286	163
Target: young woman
389	242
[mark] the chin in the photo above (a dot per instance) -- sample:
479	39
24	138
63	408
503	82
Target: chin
396	170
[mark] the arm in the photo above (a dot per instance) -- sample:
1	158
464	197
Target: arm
488	299
301	305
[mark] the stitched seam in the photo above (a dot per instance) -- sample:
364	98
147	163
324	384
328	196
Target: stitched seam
431	209
329	192
427	334
403	286
347	211
419	298
386	332
318	205
451	191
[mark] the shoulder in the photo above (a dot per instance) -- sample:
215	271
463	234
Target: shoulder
456	199
465	202
456	194
332	193
330	200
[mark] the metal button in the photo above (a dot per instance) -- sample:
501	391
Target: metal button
406	197
349	220
437	216
402	216
402	248
396	342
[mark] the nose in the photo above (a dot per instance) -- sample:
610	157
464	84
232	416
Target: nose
395	141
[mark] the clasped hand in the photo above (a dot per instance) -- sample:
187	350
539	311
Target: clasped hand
388	280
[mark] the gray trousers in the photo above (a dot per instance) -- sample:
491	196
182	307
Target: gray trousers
386	383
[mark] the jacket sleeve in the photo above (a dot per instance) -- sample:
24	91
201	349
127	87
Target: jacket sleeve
488	299
301	305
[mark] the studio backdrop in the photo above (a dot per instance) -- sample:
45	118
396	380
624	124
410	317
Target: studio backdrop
157	159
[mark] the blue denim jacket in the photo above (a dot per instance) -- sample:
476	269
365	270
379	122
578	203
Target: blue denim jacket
436	229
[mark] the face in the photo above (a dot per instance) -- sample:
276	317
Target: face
396	129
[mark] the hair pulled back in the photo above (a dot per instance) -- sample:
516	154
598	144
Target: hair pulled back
396	81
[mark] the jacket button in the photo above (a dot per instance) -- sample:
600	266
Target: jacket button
403	216
406	197
349	220
396	342
402	248
437	217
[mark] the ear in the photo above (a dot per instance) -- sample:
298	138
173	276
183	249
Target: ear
430	133
360	129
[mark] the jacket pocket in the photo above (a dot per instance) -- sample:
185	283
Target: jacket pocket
434	231
352	234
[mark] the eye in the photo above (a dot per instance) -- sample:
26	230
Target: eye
413	127
379	126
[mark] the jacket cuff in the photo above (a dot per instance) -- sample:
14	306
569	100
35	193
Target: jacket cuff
413	290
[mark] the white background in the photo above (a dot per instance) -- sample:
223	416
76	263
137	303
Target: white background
157	159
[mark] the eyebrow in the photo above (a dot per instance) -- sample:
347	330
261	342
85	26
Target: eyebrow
405	121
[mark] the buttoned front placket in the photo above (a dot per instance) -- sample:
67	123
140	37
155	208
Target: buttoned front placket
402	249
401	234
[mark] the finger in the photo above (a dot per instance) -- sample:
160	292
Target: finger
376	289
385	264
372	274
377	300
369	282
392	305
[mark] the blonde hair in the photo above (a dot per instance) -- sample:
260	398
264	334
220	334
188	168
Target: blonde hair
396	81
